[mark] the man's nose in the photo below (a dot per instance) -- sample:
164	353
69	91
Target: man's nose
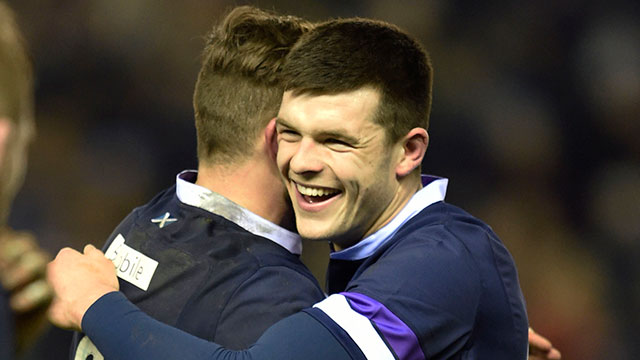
307	158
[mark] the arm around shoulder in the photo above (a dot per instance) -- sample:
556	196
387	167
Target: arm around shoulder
78	280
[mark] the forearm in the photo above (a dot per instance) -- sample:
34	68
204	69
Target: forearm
121	331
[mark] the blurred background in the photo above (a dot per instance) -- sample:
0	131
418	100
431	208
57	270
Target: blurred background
535	121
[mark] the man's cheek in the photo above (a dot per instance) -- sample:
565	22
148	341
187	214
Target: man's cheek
283	157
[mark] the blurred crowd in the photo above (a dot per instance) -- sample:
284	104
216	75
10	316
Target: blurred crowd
535	123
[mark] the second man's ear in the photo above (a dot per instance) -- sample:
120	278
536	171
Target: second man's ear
414	146
271	139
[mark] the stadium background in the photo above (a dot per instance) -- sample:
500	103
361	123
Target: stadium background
535	122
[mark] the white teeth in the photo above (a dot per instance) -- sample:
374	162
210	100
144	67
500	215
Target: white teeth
314	191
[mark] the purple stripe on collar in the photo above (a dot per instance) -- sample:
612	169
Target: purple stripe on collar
397	334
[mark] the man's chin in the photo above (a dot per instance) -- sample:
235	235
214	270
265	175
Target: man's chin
340	240
316	235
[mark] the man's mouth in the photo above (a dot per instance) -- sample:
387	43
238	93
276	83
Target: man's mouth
314	195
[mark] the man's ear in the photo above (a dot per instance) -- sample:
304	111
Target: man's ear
271	139
414	146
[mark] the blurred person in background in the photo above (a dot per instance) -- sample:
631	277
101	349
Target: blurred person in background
24	293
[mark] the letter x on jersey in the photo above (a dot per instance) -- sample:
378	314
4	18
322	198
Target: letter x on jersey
163	220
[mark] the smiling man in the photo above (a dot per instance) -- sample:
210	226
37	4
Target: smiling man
352	125
337	167
412	277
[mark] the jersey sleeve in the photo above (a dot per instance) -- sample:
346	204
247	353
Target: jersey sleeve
121	331
272	293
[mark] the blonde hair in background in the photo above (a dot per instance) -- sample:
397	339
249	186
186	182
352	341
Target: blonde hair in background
16	109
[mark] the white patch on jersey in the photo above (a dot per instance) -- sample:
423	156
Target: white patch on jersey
131	265
163	220
86	349
357	326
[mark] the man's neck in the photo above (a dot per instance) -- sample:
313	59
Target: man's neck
252	184
406	189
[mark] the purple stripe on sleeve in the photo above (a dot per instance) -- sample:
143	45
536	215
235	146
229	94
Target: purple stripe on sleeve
397	334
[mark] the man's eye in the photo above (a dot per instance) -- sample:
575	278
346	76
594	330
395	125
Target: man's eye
337	144
288	135
335	141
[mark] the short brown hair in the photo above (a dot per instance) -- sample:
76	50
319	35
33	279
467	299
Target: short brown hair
238	89
347	54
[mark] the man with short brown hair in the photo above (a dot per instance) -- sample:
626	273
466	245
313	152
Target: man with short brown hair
212	254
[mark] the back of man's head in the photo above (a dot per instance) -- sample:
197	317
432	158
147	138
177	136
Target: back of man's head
238	89
347	54
16	108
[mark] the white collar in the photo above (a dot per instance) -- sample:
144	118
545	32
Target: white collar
195	195
434	190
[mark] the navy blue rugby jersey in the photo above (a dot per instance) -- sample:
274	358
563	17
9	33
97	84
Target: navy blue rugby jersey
442	286
213	278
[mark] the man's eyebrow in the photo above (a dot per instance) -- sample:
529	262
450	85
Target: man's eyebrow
336	134
282	122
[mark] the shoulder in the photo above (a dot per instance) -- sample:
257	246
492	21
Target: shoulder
441	221
444	242
442	257
441	274
445	230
